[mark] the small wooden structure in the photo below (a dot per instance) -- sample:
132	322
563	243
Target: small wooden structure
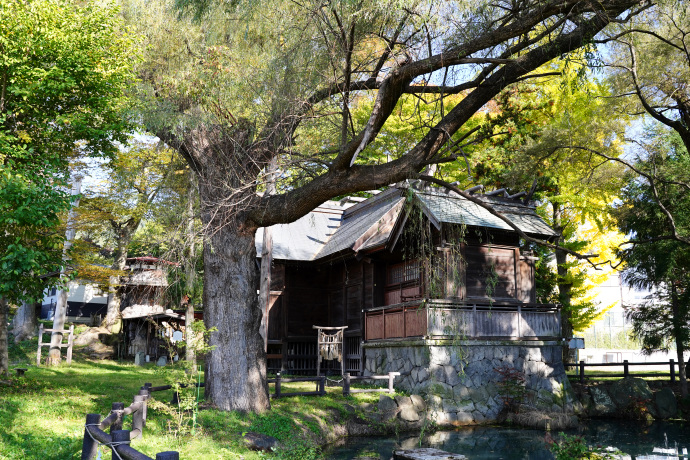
330	346
69	344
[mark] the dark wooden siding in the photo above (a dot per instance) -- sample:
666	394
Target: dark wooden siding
276	318
491	272
528	292
307	298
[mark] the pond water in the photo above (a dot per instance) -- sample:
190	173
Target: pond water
482	443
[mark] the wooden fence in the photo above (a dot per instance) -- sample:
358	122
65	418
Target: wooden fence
671	364
118	439
347	379
279	380
321	384
474	321
69	344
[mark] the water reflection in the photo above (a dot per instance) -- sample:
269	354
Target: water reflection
495	443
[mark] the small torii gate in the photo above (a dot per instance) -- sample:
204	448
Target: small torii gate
330	346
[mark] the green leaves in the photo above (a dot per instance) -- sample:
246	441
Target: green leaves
64	71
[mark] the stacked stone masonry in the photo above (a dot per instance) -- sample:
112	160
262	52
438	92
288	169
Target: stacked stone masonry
461	380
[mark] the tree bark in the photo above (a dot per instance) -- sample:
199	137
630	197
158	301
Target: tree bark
25	322
190	275
678	336
4	354
236	366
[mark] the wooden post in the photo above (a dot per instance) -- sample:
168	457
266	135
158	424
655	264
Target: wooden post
391	376
40	344
346	384
672	365
70	342
322	386
138	416
144	391
120	437
169	455
117	409
626	371
277	393
89	447
582	372
318	352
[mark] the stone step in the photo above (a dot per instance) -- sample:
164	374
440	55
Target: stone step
426	453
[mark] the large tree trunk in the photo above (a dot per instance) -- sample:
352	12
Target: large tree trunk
4	355
236	366
25	322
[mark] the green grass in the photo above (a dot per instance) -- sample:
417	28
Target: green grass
42	415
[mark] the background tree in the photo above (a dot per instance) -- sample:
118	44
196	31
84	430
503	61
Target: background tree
132	181
63	73
240	88
529	137
655	261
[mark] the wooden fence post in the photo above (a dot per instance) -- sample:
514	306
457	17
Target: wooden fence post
626	370
89	447
582	372
40	344
322	385
672	365
138	416
117	409
346	384
391	376
119	438
277	385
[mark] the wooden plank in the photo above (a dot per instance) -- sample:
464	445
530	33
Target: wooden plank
394	327
374	326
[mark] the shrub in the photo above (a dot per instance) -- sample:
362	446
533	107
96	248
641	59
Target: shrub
511	387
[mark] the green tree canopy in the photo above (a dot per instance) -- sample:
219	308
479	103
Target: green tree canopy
654	260
64	69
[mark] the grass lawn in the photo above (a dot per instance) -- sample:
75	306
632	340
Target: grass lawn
42	415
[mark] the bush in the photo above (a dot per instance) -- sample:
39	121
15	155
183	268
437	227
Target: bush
575	448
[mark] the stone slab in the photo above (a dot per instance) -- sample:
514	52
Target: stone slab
426	453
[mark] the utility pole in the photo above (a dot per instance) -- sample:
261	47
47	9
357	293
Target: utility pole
54	354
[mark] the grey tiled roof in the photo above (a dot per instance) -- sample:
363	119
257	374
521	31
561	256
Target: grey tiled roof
336	226
452	208
304	238
356	223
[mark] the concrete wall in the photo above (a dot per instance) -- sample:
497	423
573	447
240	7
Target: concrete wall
460	379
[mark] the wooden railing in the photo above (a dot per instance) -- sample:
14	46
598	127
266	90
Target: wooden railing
321	384
279	380
671	374
474	321
118	439
348	379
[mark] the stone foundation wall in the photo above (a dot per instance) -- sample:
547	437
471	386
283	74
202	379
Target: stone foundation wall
460	380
